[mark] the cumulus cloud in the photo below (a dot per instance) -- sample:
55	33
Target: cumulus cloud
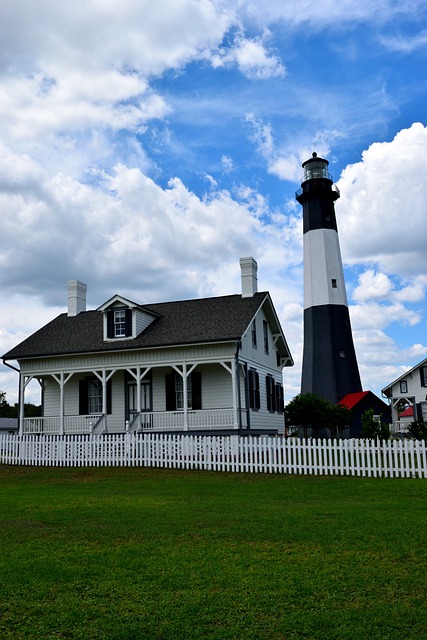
252	57
382	205
375	285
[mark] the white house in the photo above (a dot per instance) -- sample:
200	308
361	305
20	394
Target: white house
408	391
202	365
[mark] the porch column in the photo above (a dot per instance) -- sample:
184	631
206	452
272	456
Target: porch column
234	391
185	392
61	403
62	381
104	396
21	402
231	368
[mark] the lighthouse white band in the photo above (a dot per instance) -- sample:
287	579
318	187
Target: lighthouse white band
323	272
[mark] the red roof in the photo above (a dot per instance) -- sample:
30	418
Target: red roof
352	399
408	413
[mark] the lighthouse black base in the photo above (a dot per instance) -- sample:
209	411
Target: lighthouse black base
329	367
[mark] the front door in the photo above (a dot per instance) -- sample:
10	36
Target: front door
133	398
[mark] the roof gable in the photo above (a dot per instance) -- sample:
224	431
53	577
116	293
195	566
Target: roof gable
388	389
352	399
362	399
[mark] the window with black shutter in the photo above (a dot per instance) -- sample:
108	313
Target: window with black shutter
90	396
423	376
253	332
254	394
174	388
280	400
265	335
119	323
270	387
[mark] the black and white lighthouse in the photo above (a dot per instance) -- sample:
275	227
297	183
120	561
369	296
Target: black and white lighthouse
329	367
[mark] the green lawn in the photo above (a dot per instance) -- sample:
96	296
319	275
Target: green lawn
130	553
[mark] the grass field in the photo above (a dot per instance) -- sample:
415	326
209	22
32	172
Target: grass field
130	553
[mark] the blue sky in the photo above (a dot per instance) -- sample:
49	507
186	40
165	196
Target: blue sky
146	146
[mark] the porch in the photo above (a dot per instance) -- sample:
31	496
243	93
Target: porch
152	421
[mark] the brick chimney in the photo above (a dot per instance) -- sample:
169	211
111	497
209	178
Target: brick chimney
76	297
249	268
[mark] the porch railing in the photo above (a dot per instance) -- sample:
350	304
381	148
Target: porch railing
159	421
203	420
52	424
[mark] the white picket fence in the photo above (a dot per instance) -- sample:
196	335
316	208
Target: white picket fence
251	454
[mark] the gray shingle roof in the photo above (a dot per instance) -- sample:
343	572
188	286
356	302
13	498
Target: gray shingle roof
201	320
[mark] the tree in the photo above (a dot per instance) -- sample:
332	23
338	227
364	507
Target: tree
418	430
5	408
309	411
373	426
9	411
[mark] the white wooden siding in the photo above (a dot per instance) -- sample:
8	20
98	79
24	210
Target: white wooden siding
257	354
142	320
123	359
51	397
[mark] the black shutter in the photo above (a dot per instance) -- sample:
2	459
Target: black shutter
83	398
170	392
423	371
196	386
128	322
251	388
254	395
257	391
279	398
268	383
109	386
110	324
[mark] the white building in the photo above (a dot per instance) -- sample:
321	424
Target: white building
410	390
200	366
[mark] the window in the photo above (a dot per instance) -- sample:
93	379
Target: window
90	396
94	394
174	388
120	323
145	392
403	386
334	283
275	396
423	374
280	400
254	395
265	332
179	392
270	387
254	333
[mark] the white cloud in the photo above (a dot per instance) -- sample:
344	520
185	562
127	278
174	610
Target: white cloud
375	285
375	314
405	43
251	57
320	14
133	35
382	208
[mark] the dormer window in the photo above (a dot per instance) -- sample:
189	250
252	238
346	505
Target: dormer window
120	323
124	319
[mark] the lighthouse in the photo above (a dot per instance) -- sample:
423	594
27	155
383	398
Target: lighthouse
329	367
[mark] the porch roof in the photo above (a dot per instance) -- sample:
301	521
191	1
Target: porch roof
203	320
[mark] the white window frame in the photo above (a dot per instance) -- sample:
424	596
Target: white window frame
119	323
